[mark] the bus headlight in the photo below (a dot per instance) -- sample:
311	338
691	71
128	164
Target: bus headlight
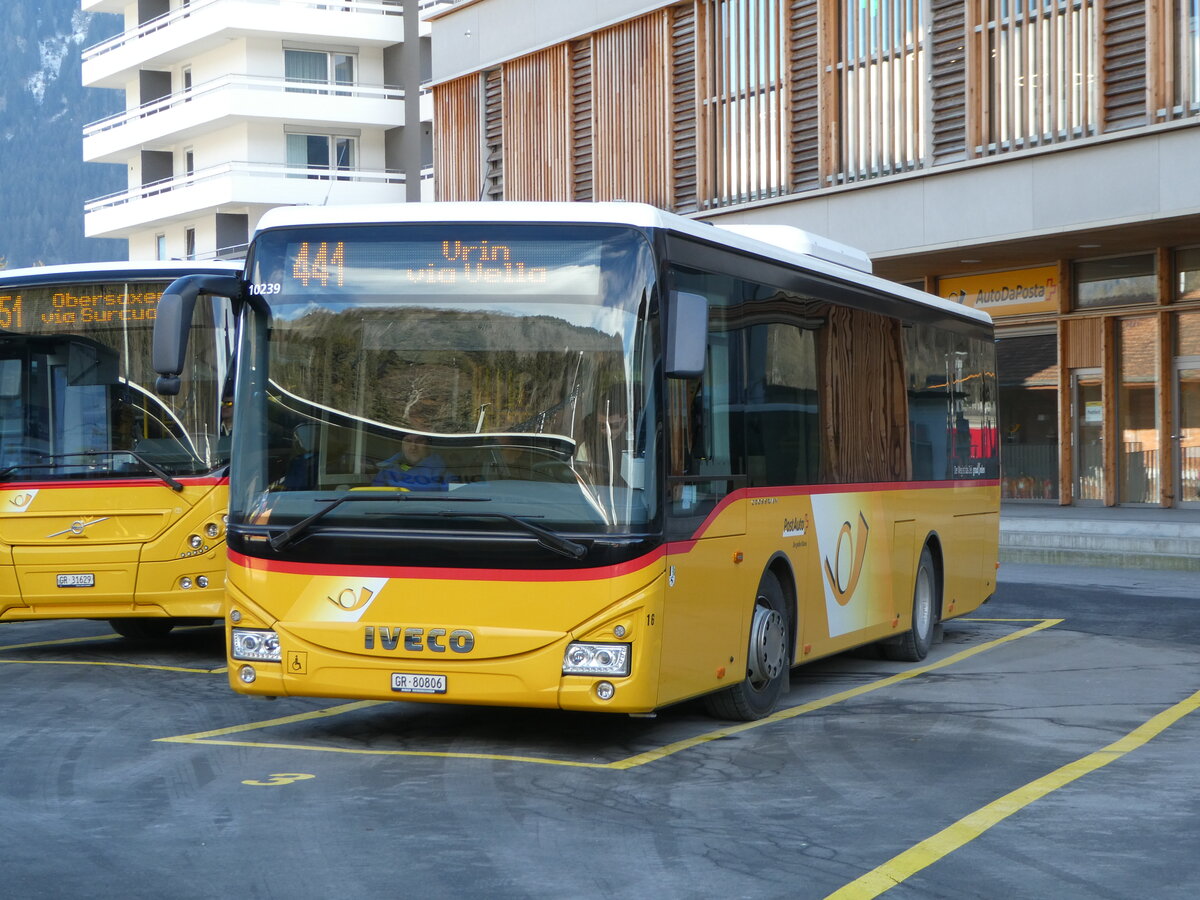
213	530
256	645
596	659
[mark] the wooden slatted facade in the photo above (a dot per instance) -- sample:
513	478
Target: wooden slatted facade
710	103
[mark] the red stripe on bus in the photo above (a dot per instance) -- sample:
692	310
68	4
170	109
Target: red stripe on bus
446	573
90	484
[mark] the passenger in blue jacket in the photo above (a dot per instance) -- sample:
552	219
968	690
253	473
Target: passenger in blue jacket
415	468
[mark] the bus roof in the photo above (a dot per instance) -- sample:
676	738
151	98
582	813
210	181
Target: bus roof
782	243
85	272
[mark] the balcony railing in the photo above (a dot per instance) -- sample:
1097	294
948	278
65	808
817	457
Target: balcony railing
286	7
246	82
248	170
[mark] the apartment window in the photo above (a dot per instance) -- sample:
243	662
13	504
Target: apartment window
186	75
160	246
1115	282
320	151
189	243
317	67
1040	72
189	161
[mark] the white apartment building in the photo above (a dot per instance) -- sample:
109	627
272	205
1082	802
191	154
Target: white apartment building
237	106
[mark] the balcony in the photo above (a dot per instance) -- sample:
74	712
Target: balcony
204	25
238	185
238	98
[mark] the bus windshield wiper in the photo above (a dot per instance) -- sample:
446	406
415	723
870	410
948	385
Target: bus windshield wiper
50	460
281	540
547	538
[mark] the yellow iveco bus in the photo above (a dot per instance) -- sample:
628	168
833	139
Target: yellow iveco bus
112	500
589	457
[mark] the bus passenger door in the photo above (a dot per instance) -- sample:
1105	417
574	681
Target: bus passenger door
709	593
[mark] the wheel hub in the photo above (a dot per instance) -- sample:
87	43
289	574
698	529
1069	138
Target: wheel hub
768	645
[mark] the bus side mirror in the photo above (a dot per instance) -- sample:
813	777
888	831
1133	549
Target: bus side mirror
173	320
687	335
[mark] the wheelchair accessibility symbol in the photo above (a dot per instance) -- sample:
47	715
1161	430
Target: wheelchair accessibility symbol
297	662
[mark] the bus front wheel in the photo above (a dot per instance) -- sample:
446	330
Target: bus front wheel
766	662
914	644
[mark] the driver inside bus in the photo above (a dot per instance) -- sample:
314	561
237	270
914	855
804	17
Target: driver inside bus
415	468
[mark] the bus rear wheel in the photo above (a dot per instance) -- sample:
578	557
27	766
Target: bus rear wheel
913	645
766	662
142	629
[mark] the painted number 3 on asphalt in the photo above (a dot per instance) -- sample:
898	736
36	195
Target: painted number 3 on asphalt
280	778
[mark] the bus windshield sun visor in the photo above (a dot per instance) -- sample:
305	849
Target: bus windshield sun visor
173	320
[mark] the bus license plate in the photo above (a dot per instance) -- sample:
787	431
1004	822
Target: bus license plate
77	580
408	683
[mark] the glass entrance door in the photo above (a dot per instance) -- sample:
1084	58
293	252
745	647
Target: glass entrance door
1087	403
1187	431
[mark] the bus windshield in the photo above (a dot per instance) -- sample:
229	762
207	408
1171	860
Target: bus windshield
75	385
491	372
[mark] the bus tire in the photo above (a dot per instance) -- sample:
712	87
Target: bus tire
914	644
767	664
142	629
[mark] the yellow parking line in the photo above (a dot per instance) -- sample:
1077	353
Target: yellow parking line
78	640
639	759
966	829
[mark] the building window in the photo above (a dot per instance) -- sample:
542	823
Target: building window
320	151
1040	72
744	106
881	87
189	243
317	67
1028	375
1124	281
189	161
1187	264
1137	410
1181	46
160	246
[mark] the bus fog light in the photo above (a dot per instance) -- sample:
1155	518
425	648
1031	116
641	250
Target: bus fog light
202	581
195	541
596	659
247	674
605	690
255	644
185	583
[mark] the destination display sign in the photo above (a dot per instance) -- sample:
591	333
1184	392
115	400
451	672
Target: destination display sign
74	307
454	265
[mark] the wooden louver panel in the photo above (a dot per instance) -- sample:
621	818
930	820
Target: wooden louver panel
804	95
537	151
493	136
1123	42
456	154
683	105
582	132
948	80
